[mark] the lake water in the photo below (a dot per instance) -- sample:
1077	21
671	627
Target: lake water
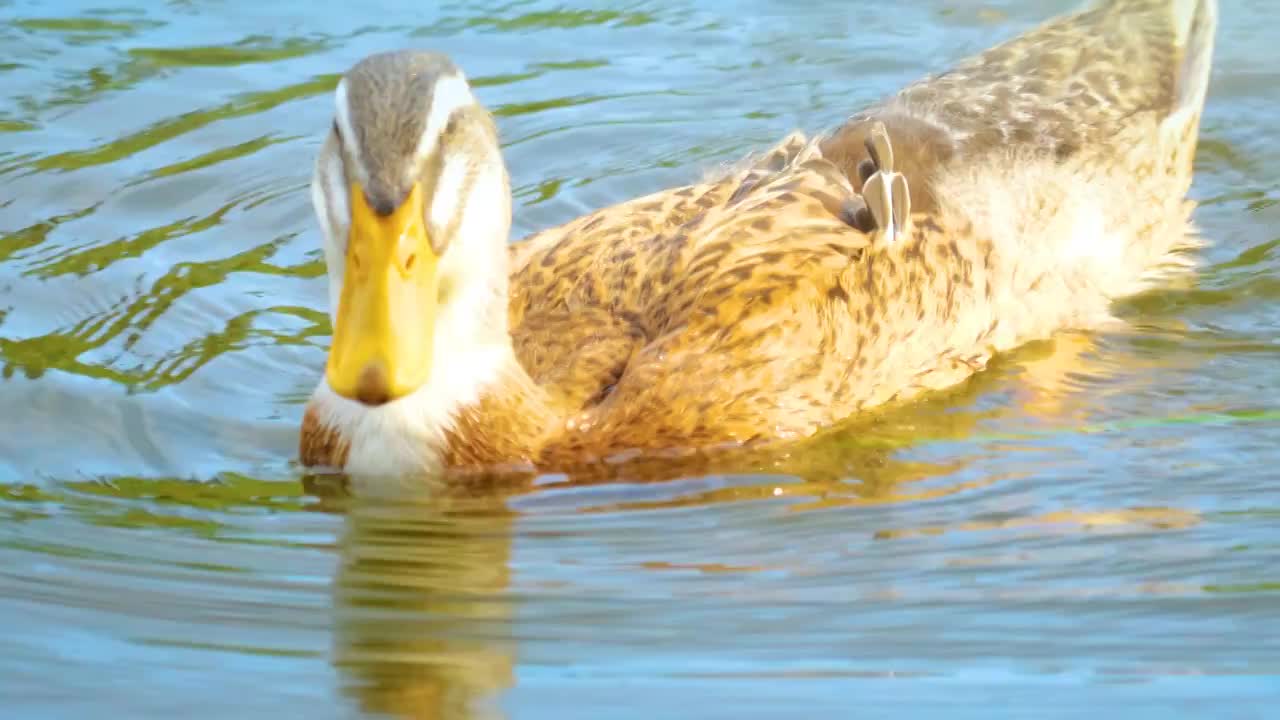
1092	527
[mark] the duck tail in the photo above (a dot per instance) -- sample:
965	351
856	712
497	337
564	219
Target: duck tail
1179	32
1195	24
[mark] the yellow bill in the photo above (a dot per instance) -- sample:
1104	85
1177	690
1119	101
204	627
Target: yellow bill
382	341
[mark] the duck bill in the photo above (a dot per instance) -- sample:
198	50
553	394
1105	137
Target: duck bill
382	340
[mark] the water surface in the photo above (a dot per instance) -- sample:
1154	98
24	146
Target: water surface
1091	526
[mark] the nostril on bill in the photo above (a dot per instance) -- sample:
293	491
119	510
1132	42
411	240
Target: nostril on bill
373	387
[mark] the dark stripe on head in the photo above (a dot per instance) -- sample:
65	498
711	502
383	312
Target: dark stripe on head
388	100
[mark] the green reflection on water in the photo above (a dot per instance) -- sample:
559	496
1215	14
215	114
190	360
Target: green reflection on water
62	350
80	25
213	157
169	128
540	20
1262	587
256	49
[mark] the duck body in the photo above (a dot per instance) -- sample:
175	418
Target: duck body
1025	190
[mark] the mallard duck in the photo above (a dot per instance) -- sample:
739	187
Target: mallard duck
1014	196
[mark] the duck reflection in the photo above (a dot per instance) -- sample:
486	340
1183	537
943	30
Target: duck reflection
422	609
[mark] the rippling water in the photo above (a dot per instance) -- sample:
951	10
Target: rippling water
1092	526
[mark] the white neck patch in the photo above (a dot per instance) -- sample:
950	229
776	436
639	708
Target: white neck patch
407	436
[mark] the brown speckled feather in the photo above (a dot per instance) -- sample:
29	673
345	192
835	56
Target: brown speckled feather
753	307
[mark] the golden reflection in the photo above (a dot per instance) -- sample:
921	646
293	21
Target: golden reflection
422	609
1051	374
1155	518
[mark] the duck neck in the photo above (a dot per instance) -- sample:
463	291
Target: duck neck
482	403
474	357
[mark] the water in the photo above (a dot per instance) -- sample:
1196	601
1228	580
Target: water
1090	527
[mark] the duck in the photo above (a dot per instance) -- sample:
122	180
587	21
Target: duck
1016	195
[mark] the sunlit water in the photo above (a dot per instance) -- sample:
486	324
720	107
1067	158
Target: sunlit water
1092	527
